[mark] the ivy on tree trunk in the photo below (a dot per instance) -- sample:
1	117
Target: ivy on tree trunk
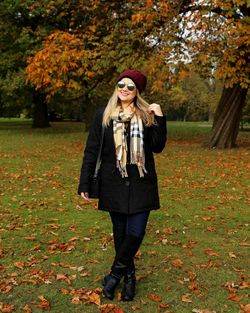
227	117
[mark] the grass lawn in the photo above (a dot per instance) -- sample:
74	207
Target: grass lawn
55	248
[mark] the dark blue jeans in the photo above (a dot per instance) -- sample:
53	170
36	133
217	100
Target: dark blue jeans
134	224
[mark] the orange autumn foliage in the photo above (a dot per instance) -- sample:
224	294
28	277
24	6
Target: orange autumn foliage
160	37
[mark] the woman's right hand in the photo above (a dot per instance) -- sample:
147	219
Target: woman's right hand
85	196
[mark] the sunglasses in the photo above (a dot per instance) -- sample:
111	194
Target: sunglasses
130	86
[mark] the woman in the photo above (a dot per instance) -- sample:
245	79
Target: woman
133	131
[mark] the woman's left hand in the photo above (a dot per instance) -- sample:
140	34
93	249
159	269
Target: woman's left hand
155	108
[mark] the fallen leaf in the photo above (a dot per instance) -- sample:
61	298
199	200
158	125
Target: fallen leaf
59	209
234	297
72	277
36	247
163	305
232	255
62	276
74	239
167	270
93	261
185	299
6	308
190	245
30	238
35	271
51	241
210	252
64	291
118	310
191	275
244	285
193	286
27	309
110	308
211	207
76	299
238	269
6	289
19	265
138	254
245	244
177	263
246	308
95	298
86	238
106	308
135	308
153	252
84	274
140	277
44	304
202	311
211	229
206	218
213	264
168	230
154	297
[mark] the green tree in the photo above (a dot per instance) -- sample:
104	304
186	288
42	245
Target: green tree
23	26
193	98
19	36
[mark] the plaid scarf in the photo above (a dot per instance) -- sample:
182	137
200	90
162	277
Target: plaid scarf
137	155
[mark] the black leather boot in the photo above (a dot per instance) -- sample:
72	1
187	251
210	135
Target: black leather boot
128	290
110	282
123	259
131	246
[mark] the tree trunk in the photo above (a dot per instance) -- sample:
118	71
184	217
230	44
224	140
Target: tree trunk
40	112
227	117
89	111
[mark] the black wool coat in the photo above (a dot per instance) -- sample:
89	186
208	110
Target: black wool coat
131	194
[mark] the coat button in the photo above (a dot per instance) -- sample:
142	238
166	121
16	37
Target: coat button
127	183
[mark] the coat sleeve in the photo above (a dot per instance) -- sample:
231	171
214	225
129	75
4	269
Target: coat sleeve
158	134
91	152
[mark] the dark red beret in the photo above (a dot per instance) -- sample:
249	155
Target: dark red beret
137	77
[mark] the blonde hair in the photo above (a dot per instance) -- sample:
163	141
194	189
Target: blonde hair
141	109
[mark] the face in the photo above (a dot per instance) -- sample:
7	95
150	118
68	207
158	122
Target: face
124	93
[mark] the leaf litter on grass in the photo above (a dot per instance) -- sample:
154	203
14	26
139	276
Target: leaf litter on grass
51	239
